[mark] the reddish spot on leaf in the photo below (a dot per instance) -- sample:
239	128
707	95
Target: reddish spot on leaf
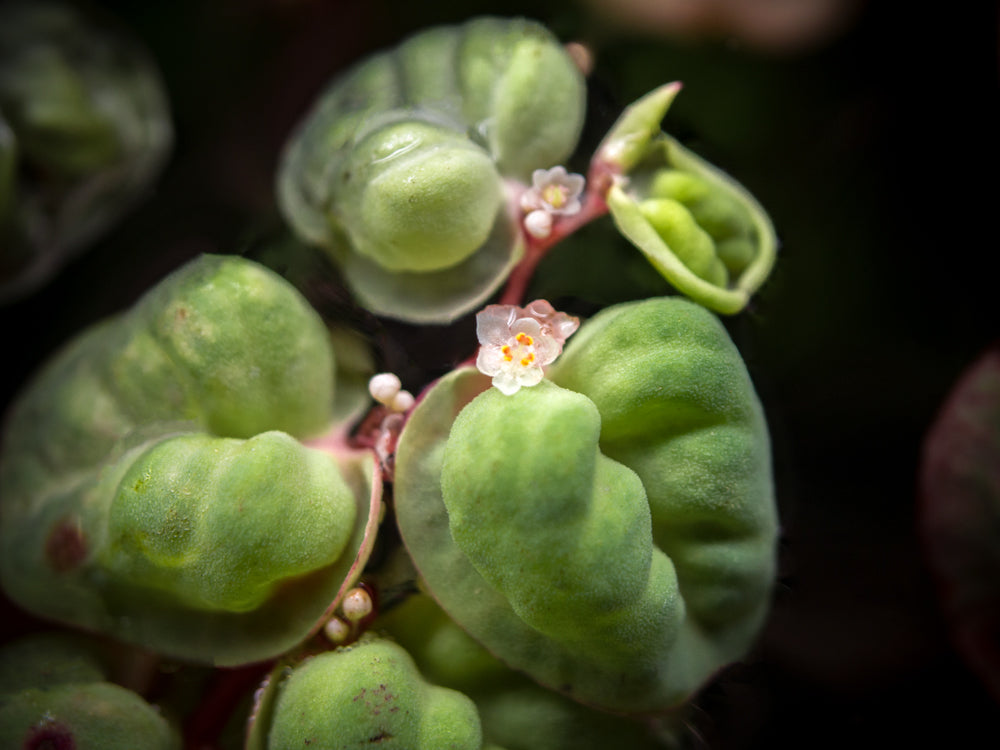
49	736
66	546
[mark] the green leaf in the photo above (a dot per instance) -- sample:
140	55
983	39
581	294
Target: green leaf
697	226
369	692
152	484
437	296
399	170
515	712
43	660
628	141
559	530
54	693
612	537
677	407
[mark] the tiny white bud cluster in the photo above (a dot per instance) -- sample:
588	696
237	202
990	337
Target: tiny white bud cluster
346	626
387	390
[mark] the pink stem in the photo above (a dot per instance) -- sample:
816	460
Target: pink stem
599	181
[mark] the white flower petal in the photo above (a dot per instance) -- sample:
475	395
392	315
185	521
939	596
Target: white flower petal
573	206
557	174
563	326
490	360
539	179
540	309
575	182
493	324
506	383
546	350
529	326
530	376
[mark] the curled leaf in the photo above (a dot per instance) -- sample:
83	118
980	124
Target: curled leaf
697	226
399	170
628	141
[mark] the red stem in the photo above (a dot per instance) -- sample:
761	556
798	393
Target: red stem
228	687
594	206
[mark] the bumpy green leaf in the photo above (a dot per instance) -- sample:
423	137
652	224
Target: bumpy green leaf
515	712
697	226
53	694
151	484
578	564
370	693
93	130
678	408
399	169
610	533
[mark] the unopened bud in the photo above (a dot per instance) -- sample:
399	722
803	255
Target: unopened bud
384	387
357	604
337	630
402	402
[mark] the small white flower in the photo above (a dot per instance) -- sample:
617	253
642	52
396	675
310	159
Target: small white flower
517	342
554	191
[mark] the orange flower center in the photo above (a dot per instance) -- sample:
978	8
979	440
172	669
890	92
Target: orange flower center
522	349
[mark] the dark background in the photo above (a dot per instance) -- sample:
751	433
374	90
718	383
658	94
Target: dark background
873	146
